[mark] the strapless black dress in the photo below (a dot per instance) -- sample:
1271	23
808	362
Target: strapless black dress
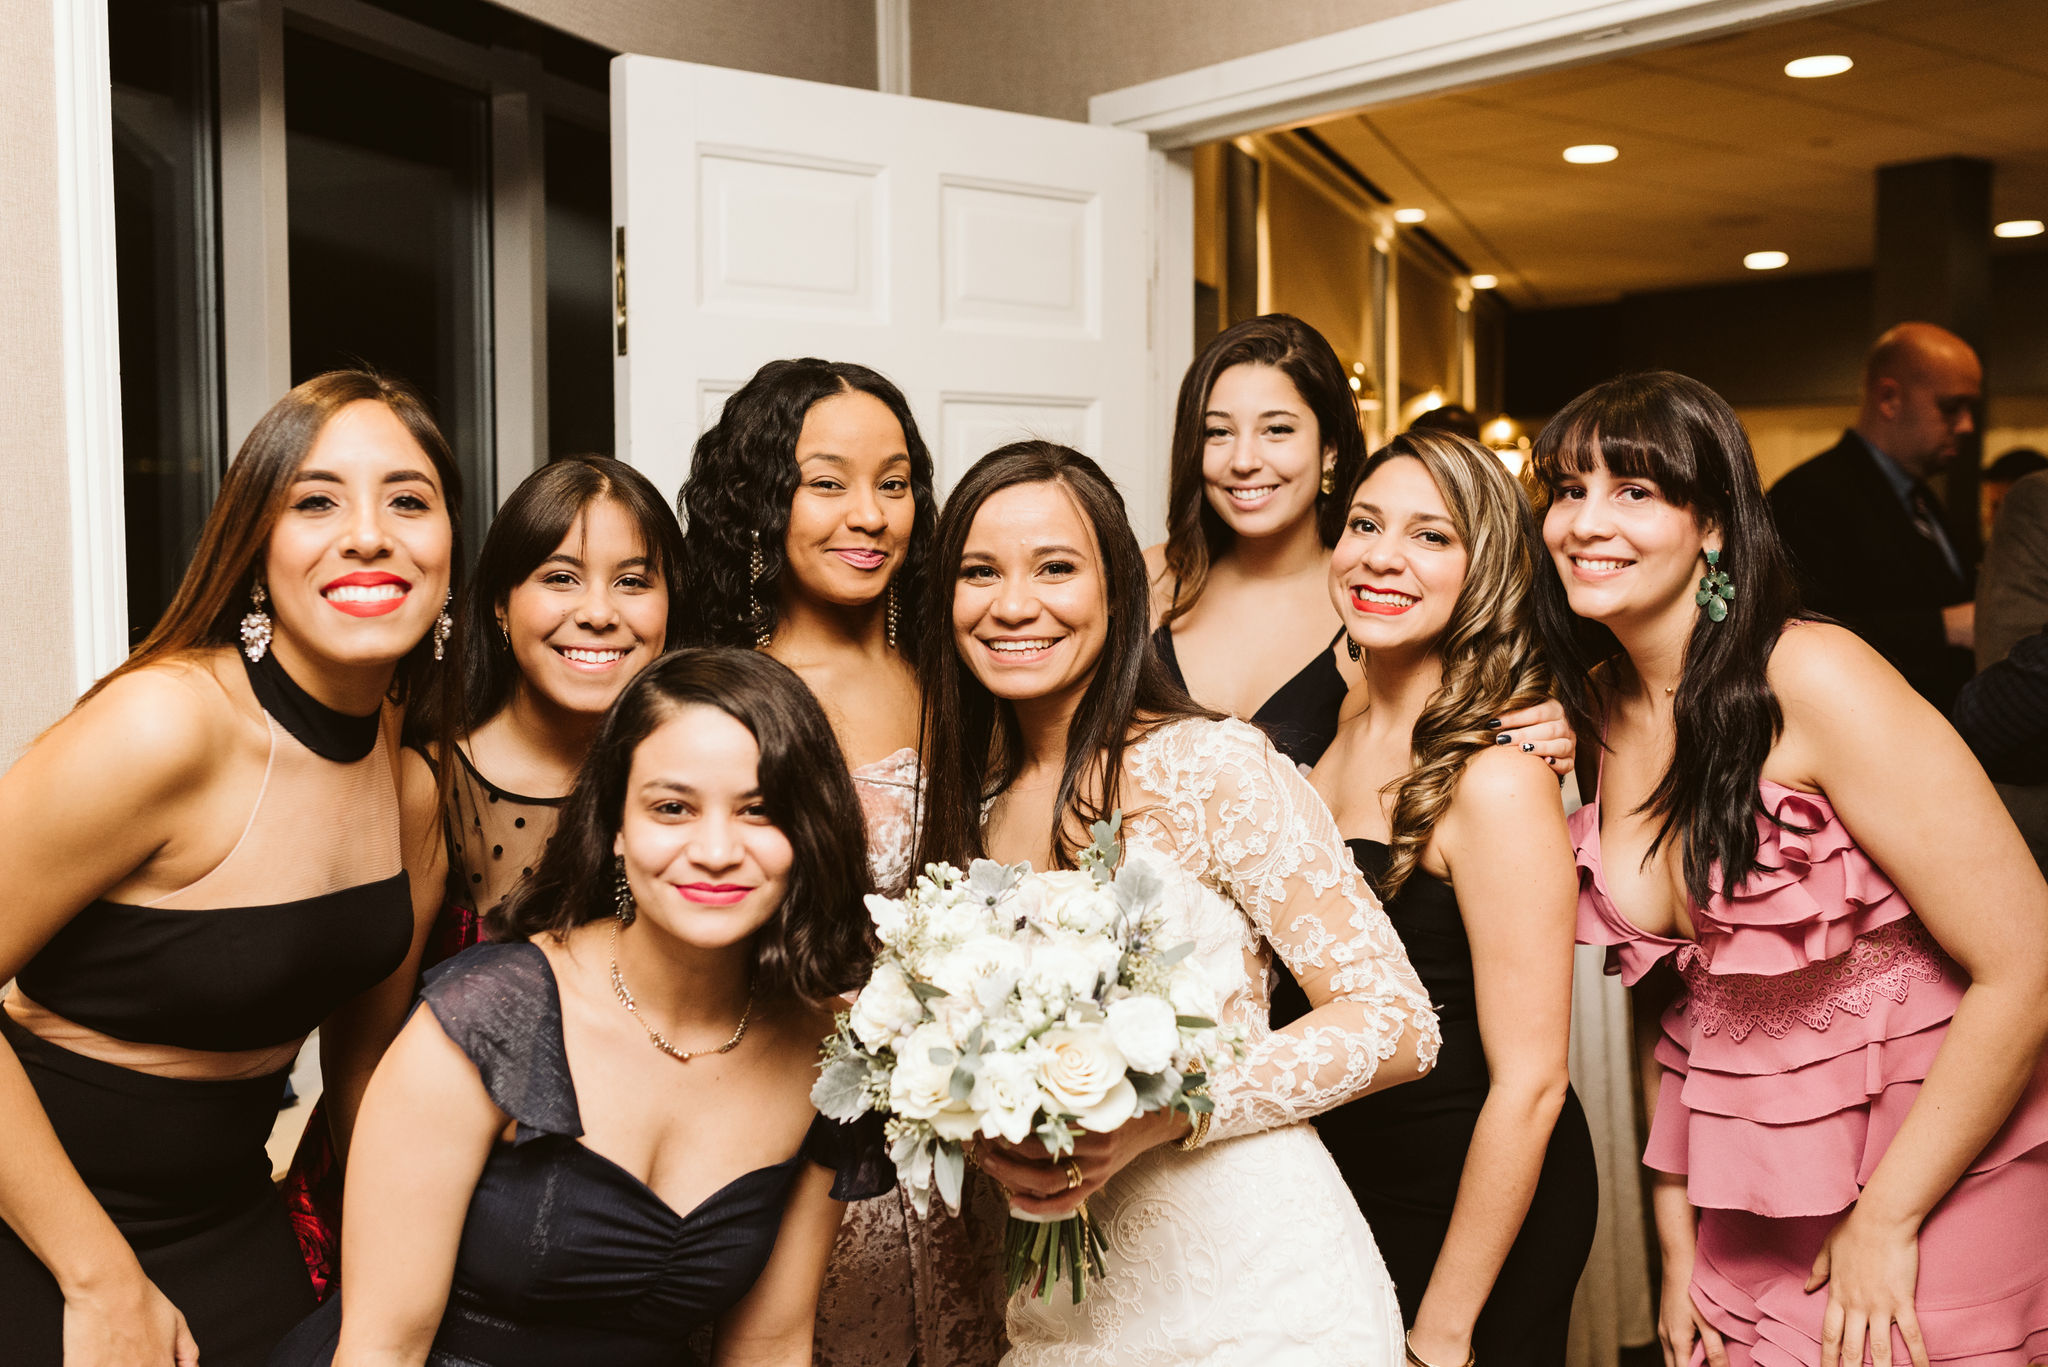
1402	1151
566	1258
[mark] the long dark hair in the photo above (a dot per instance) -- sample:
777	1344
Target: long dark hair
1490	648
211	599
1195	534
1674	430
971	739
816	944
525	532
737	496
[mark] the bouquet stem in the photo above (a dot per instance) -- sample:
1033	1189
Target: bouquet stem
1040	1254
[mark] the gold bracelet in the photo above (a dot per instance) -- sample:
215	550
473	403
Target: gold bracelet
1415	1359
1193	1139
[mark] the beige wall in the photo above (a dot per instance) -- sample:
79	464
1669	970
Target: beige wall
1049	56
815	40
35	670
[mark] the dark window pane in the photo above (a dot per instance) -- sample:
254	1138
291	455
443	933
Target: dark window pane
167	265
578	165
390	238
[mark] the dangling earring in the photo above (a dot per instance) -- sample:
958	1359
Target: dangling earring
256	625
1329	484
1715	593
622	896
892	616
444	627
1351	648
755	568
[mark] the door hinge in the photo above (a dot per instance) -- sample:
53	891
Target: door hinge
619	288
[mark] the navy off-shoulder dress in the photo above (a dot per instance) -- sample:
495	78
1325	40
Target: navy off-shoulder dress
566	1258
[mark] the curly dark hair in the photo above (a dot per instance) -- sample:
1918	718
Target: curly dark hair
742	478
816	944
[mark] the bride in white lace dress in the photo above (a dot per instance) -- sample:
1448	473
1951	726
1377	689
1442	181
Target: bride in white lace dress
1236	1243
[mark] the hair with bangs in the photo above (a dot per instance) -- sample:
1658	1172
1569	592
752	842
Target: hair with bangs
816	944
527	530
1196	534
1673	431
971	740
1490	648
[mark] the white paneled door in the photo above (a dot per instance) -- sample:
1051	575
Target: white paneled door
995	265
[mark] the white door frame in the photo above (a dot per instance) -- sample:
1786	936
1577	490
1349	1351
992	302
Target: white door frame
1449	46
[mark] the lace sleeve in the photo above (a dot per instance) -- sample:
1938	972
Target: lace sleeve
1275	849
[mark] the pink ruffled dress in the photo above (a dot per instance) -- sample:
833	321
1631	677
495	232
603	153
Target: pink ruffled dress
1815	1003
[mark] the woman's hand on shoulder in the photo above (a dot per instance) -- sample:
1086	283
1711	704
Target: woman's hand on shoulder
1541	730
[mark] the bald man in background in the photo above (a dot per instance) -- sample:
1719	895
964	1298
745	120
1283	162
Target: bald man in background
1865	531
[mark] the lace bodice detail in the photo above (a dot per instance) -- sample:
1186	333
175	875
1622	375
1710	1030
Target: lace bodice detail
1264	872
890	789
1883	964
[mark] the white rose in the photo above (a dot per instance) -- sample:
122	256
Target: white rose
891	918
1071	900
1006	1095
885	1009
962	970
1144	1032
1084	1076
1190	991
1061	970
921	1087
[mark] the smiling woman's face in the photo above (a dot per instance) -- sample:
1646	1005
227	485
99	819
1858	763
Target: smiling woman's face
591	615
1262	452
1624	551
357	566
705	862
1397	571
851	516
1030	604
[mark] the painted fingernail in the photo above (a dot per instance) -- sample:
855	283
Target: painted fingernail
1529	746
1493	724
1503	738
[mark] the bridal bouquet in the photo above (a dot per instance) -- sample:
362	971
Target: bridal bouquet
1008	1003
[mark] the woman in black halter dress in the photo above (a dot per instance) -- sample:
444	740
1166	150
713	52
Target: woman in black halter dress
205	862
572	1155
1466	843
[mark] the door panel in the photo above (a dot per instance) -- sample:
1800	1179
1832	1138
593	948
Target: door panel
994	265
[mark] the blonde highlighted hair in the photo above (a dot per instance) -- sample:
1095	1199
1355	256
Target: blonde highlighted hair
1491	651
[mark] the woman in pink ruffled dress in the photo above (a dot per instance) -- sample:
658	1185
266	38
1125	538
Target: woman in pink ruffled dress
1850	1139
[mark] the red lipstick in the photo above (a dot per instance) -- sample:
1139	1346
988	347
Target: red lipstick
713	894
366	593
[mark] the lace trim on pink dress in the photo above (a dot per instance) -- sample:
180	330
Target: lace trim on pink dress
1883	964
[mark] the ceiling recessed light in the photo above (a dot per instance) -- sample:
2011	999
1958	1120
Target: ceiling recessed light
1806	68
1765	261
1590	153
2020	227
1485	282
1409	215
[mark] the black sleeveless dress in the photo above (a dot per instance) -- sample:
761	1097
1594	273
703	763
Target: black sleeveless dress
1301	721
301	916
566	1258
1402	1151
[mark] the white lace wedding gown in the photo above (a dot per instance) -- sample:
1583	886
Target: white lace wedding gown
1249	1250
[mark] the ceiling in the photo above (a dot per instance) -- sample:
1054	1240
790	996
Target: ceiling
1722	154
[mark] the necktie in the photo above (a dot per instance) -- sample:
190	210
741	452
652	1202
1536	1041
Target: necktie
1927	522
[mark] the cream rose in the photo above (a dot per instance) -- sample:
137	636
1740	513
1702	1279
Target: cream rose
885	1009
921	1087
1006	1095
1084	1076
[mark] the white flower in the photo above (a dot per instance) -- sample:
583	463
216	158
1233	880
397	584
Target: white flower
1190	991
1007	1096
921	1087
1083	1076
962	970
885	1009
891	918
1144	1032
1071	900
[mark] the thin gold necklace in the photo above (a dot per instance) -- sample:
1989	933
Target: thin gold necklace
661	1041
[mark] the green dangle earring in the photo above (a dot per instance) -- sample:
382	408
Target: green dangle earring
1716	593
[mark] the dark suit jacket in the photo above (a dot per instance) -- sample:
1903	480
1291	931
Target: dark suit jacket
1861	561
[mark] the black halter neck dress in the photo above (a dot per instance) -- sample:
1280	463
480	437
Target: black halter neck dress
303	914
